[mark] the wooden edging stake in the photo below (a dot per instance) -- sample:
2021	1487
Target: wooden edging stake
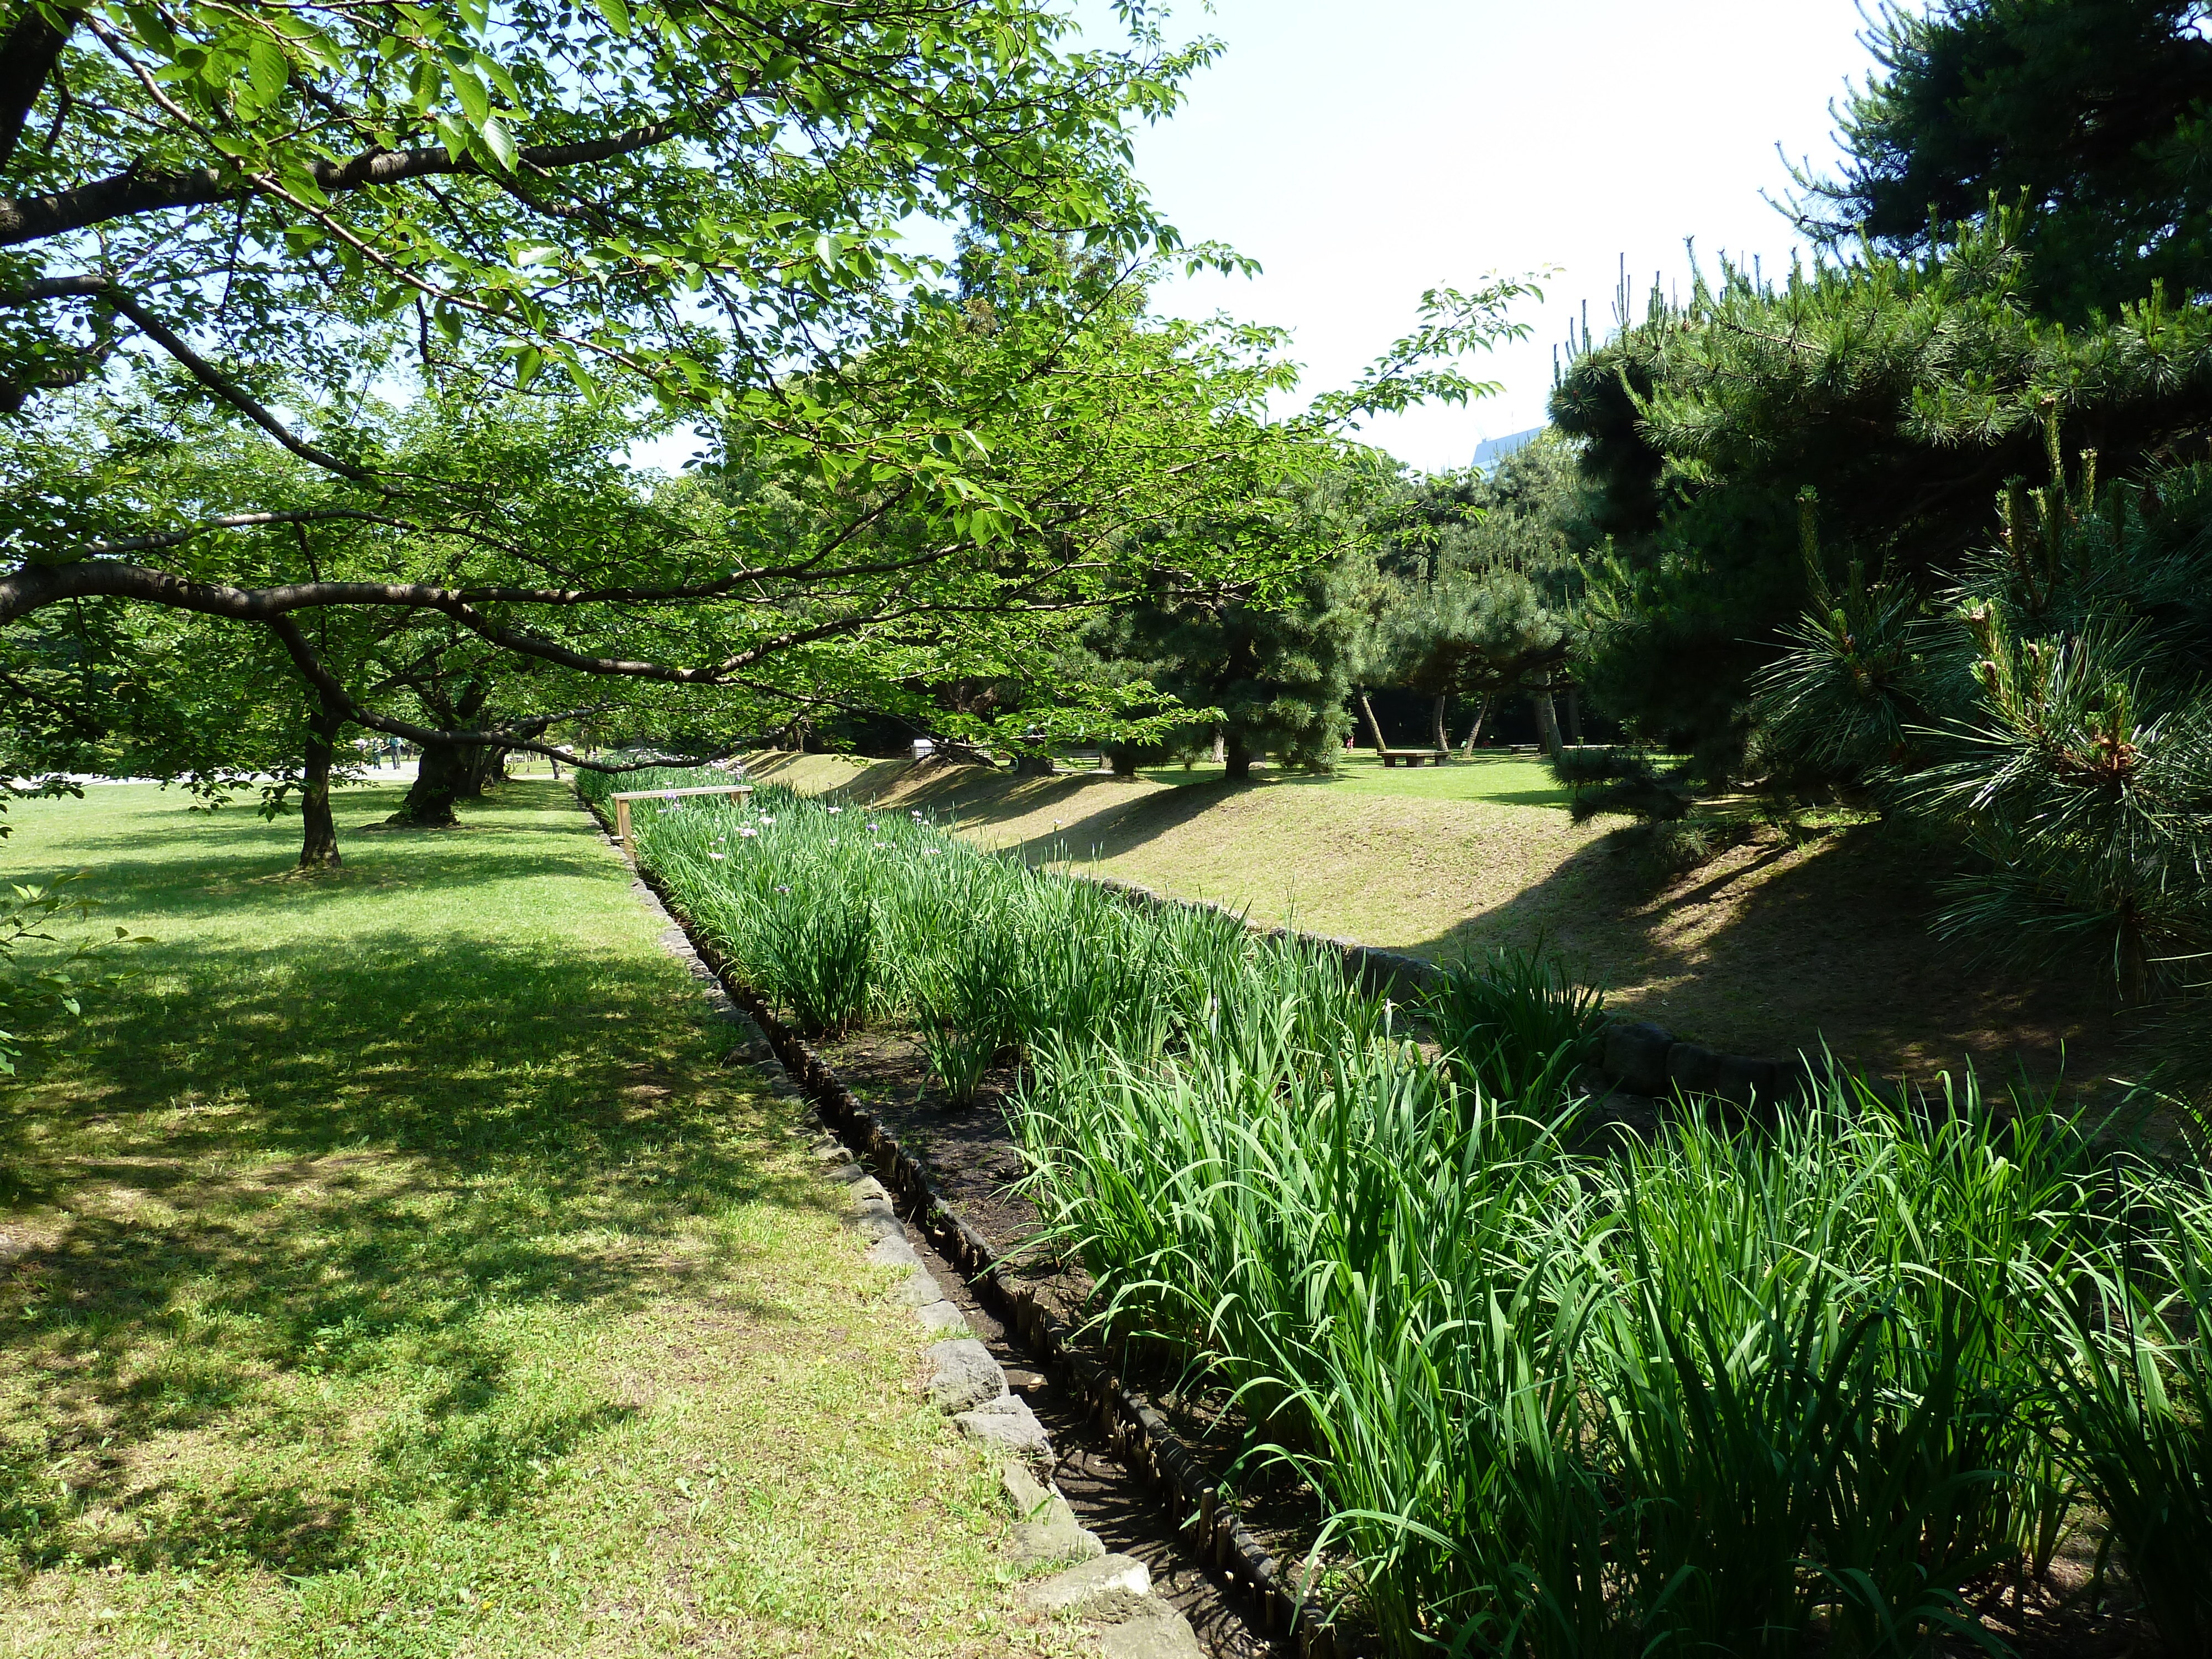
735	790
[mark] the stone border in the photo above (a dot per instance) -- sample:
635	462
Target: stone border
963	1381
1140	1437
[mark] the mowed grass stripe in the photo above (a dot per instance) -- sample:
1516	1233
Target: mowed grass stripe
394	1270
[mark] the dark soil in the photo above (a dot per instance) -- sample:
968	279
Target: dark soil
973	1162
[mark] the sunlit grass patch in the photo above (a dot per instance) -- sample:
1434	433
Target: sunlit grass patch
392	1269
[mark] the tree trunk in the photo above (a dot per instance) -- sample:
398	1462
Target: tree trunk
439	777
1574	717
318	840
1220	747
480	769
1438	737
1547	720
1474	731
477	767
1238	759
1374	726
1125	762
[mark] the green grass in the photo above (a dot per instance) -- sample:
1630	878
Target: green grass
1813	1386
1772	948
392	1269
1497	775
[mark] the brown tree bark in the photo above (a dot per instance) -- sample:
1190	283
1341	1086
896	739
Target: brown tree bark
447	772
1374	726
482	765
1438	737
319	839
1238	759
1547	719
438	777
1474	731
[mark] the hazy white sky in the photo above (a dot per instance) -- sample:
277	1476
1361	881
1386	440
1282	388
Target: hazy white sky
1365	153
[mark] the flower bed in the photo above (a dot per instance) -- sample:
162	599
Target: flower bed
1743	1389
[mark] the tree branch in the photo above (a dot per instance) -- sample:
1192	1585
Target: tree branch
34	586
217	382
242	521
333	692
137	191
28	57
52	288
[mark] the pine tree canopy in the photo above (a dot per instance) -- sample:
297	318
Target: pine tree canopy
2095	114
1902	393
1464	589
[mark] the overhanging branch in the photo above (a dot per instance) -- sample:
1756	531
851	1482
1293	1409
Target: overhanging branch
138	191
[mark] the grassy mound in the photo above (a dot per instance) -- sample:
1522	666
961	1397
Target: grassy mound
1771	947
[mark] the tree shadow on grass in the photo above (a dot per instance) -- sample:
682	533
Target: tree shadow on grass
382	1161
1119	821
1770	950
190	871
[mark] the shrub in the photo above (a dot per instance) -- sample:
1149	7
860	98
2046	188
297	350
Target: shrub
1515	1026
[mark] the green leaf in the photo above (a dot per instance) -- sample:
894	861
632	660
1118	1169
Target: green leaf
497	139
503	83
617	15
423	83
267	69
454	136
527	362
475	102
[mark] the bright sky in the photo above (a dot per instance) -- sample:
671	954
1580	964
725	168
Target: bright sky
1366	153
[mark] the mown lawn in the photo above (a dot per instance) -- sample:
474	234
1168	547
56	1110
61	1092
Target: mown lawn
1772	948
392	1269
1502	776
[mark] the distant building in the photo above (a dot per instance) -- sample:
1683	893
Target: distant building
1490	451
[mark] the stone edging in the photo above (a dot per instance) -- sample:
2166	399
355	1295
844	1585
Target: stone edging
1141	1438
964	1380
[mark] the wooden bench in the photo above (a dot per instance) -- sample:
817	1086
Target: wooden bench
622	805
1415	756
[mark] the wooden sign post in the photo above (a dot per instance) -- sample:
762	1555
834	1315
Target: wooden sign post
621	806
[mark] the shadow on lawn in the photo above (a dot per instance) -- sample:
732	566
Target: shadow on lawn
1789	952
240	859
369	1164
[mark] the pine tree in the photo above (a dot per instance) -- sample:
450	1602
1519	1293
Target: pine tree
1463	590
1904	392
2096	115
